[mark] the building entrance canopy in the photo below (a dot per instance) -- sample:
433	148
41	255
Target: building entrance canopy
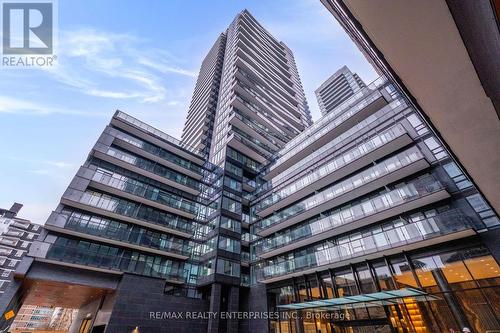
405	295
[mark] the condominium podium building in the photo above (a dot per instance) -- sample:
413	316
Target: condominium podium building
260	220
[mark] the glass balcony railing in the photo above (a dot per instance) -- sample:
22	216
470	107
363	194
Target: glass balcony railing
355	132
160	152
338	217
328	126
133	210
264	131
254	141
332	166
375	239
155	132
122	232
86	253
155	168
147	192
407	192
330	117
266	114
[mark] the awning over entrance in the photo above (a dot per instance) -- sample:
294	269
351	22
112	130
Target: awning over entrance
405	295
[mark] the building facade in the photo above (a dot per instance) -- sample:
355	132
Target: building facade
16	236
201	114
43	319
337	88
366	224
359	222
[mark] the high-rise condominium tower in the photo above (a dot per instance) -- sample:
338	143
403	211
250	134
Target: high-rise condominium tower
337	88
360	220
261	103
200	118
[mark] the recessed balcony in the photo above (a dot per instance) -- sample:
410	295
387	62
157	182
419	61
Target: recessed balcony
337	168
415	194
374	243
120	159
312	141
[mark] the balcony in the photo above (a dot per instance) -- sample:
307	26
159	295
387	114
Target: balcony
357	133
138	128
239	143
313	137
255	129
134	190
123	237
409	196
362	155
126	211
146	168
158	155
376	242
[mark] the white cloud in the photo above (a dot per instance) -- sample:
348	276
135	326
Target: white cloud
164	68
57	164
11	105
112	65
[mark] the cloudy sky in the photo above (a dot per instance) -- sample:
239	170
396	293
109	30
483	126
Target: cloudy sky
142	58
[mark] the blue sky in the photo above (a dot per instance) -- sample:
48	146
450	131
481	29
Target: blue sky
142	58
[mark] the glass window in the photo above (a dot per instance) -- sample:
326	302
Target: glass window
229	244
402	273
483	209
232	183
346	284
227	267
328	287
458	177
231	205
483	267
234	169
384	277
230	224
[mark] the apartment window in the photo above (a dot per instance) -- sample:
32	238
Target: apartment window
5	273
12	263
207	268
234	169
458	177
227	267
230	224
19	253
231	205
229	244
436	148
417	124
483	209
232	183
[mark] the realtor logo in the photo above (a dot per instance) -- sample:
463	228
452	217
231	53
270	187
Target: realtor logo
27	28
28	32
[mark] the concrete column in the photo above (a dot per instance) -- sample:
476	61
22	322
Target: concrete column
233	306
215	299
